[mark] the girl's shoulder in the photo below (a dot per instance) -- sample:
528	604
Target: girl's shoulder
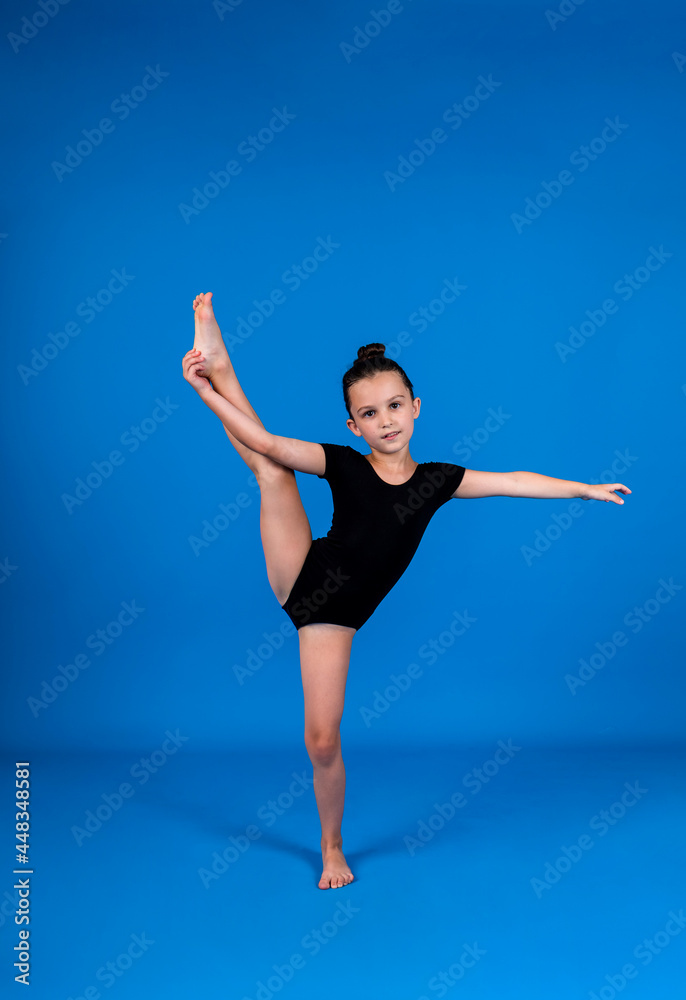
339	457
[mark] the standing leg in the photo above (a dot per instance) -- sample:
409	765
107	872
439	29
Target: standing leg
324	659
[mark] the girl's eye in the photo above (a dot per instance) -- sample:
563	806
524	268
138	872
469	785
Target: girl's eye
367	412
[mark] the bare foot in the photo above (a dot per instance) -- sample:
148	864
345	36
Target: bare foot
336	872
208	337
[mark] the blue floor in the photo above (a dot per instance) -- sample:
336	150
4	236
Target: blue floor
535	883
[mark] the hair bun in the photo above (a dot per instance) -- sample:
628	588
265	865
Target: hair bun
371	351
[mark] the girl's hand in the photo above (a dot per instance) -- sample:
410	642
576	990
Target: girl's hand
604	491
192	361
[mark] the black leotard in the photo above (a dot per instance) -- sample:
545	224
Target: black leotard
375	530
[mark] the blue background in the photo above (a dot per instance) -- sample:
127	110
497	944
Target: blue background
208	611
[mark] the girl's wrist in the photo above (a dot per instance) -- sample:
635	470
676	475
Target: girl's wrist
205	391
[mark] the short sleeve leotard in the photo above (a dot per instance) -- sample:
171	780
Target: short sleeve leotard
375	531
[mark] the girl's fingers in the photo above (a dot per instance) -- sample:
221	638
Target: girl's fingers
608	492
191	368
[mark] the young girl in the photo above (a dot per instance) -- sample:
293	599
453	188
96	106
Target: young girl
383	502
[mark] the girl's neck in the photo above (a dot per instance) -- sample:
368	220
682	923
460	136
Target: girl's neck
397	468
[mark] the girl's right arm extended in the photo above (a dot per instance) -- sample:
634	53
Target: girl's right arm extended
303	456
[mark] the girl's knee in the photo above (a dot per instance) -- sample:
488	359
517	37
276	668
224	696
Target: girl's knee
268	472
323	745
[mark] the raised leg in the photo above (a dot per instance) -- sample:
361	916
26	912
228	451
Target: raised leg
220	371
284	526
324	659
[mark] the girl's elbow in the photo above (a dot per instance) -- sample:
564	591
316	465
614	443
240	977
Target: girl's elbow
270	447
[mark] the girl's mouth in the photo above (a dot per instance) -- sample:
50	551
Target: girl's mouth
389	437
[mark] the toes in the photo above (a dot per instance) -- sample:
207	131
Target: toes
335	880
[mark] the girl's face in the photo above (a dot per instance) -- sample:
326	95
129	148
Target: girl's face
381	406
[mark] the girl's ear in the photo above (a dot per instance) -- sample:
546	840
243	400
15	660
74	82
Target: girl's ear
416	405
353	427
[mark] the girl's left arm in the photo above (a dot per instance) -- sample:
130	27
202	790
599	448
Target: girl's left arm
531	484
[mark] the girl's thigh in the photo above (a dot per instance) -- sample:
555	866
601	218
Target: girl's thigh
324	660
284	527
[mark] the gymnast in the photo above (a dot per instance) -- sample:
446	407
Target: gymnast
382	504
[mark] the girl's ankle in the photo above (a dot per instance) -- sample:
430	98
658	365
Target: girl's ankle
332	843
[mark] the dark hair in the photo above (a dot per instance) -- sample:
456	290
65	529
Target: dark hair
371	360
